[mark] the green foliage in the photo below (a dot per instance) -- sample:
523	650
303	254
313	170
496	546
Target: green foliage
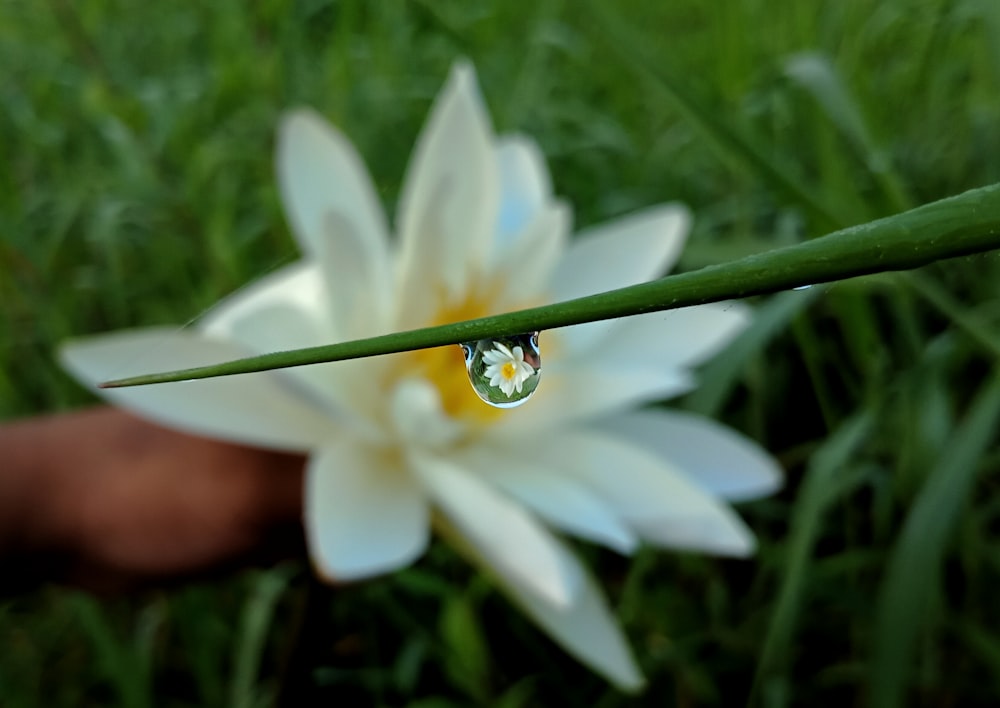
137	188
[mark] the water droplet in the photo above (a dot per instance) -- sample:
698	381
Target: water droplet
504	371
802	287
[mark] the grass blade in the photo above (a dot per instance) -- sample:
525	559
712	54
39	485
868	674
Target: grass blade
911	583
814	73
824	483
718	377
254	625
128	669
960	225
733	146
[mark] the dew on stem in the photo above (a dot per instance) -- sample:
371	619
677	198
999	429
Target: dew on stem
504	371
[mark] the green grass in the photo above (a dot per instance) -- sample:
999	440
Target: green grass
137	187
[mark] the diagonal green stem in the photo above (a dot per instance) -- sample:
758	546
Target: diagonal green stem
957	226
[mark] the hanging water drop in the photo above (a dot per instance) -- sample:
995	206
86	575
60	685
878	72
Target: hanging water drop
504	371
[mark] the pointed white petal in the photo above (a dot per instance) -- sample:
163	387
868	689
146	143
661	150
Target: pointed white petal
716	458
525	185
298	286
335	215
359	284
576	390
342	388
272	328
654	497
721	532
586	629
684	337
513	543
363	515
418	417
448	208
288	310
558	499
633	249
320	172
269	327
255	409
572	508
527	263
626	251
284	310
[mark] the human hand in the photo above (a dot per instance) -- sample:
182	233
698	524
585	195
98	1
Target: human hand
110	502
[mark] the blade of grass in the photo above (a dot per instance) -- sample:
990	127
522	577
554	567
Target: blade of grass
966	320
824	483
258	612
717	378
984	645
127	668
733	147
956	226
469	665
814	73
913	576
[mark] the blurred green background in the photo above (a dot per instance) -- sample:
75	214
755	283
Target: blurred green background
136	187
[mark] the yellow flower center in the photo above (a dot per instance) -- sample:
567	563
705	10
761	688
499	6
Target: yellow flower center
445	366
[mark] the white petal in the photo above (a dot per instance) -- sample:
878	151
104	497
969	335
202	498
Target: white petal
254	409
630	250
501	354
448	208
527	263
577	390
298	286
586	629
335	215
716	458
418	417
525	186
571	508
684	337
284	310
363	516
342	388
558	499
507	386
508	538
269	327
359	285
655	498
320	172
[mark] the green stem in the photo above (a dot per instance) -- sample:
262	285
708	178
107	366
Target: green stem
957	226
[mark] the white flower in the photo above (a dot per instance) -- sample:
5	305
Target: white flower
506	368
388	438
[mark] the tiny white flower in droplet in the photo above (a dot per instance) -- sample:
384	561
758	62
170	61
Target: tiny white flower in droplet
507	368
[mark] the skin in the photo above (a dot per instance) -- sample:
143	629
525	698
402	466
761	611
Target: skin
109	502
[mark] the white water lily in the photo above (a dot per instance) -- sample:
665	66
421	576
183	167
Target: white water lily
391	438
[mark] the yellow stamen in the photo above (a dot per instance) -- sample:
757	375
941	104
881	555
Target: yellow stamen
445	366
